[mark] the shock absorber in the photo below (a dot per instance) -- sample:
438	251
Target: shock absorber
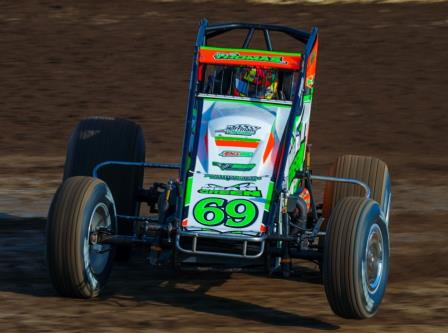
298	207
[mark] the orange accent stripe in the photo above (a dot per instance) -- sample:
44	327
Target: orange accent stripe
269	147
242	144
311	65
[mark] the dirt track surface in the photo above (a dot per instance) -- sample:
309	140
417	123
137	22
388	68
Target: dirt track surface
381	90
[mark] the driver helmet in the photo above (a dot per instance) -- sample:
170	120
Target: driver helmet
256	82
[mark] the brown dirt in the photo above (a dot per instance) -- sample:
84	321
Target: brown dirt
381	90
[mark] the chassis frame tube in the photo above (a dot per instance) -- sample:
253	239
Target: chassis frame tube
153	165
344	180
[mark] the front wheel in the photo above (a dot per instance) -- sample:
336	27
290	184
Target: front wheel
356	258
79	267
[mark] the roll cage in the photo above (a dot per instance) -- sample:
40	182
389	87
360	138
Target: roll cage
219	29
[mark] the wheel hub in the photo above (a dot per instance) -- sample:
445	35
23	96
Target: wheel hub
374	258
98	253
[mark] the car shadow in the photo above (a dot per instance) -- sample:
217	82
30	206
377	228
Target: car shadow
189	290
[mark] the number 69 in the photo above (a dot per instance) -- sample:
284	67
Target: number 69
238	213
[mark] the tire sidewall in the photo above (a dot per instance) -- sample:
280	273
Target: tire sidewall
99	195
370	301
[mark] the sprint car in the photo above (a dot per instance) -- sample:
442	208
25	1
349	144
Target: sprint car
244	193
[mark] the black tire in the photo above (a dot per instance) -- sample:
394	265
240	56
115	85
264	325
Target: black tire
369	170
78	267
96	140
353	288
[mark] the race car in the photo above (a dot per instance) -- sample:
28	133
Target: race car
244	193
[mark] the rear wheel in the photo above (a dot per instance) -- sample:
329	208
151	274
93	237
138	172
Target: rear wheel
356	258
78	265
369	170
96	140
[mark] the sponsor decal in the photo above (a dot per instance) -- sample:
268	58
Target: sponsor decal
233	153
239	129
237	178
247	189
228	141
234	166
238	213
237	56
310	81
